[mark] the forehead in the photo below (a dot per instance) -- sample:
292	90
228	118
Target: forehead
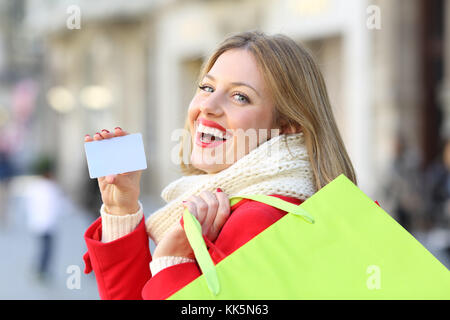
237	65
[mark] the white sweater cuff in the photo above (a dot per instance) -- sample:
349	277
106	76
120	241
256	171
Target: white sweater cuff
161	263
115	227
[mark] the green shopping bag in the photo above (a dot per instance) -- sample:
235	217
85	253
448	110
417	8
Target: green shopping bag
336	245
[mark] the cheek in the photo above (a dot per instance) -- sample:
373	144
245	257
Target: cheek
255	127
252	120
192	114
192	110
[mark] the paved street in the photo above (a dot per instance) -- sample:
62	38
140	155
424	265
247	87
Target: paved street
19	252
19	249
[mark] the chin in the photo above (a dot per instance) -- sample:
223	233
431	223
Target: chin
208	168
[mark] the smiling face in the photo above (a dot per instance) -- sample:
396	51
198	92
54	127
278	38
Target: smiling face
234	97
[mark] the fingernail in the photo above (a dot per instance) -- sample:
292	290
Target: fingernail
118	128
219	190
105	130
184	202
98	133
86	135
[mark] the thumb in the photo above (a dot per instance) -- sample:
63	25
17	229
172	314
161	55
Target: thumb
111	179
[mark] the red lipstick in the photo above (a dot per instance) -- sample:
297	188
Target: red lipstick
212	143
213	124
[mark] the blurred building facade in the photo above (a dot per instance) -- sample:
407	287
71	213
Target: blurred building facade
134	64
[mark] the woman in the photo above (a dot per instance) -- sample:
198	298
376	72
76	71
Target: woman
266	85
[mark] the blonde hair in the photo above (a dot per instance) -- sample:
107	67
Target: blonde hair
300	96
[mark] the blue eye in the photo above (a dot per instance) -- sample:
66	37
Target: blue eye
246	100
203	88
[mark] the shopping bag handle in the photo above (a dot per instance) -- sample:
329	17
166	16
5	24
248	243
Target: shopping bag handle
193	231
277	203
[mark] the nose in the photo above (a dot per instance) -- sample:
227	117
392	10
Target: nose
211	106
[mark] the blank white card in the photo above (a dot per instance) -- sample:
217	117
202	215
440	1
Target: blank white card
115	155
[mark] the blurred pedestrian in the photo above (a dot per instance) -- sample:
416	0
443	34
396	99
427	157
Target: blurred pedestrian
403	190
43	203
6	174
438	189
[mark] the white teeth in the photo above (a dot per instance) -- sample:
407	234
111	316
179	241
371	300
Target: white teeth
210	130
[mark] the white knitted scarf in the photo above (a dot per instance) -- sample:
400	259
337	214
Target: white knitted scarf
270	168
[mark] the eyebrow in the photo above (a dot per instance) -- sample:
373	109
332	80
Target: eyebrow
235	83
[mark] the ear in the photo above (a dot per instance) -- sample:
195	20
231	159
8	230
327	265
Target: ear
289	129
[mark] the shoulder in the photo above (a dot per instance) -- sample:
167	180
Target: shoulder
248	218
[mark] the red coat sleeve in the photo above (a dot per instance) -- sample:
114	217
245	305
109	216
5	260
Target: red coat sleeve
255	216
121	266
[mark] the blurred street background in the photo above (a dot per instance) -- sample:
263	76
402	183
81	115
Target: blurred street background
70	68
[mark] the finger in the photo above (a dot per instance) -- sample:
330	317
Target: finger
103	182
201	207
191	208
106	134
118	180
213	205
98	136
88	138
223	213
111	179
119	132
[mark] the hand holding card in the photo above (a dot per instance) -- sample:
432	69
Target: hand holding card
120	191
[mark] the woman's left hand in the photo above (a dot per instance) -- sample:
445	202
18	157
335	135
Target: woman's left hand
211	210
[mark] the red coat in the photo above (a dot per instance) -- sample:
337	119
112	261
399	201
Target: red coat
122	266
